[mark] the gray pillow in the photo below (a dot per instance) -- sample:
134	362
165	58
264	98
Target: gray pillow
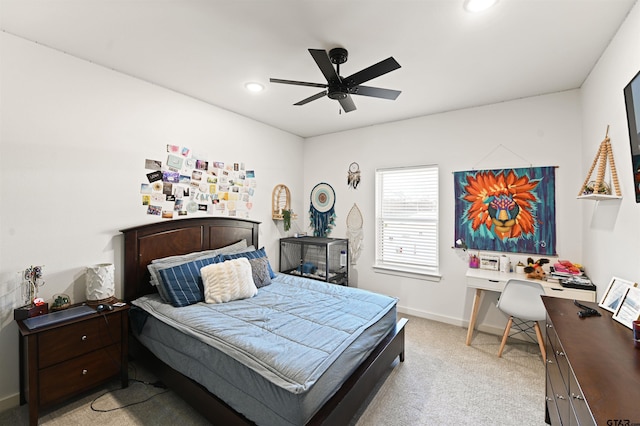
260	271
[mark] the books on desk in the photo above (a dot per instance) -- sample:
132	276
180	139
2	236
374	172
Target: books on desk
579	282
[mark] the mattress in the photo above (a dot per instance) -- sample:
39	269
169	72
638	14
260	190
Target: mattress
278	357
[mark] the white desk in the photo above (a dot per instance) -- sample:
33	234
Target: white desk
484	280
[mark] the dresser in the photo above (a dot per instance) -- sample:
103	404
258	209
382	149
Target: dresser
62	360
592	368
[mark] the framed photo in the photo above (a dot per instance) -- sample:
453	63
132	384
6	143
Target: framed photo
615	292
629	309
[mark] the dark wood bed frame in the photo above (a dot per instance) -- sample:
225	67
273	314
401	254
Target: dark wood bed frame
181	236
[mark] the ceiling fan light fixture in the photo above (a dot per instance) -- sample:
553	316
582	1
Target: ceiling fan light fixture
474	6
254	87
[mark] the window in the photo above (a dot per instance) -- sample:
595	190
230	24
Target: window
407	219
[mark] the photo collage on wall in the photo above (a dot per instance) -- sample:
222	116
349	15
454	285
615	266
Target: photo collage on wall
187	184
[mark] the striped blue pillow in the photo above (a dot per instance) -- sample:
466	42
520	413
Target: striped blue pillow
251	255
183	283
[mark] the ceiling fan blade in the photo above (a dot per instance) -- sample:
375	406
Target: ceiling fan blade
324	63
376	92
297	83
312	98
372	72
347	104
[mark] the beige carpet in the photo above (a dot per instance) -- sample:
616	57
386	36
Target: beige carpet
441	382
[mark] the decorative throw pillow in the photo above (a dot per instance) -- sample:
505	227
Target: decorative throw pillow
260	271
182	284
231	248
227	281
251	255
168	262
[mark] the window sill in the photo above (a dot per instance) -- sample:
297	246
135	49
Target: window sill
415	274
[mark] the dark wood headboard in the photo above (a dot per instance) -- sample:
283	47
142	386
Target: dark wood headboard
144	243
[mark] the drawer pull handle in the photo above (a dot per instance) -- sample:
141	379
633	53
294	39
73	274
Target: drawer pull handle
559	353
579	397
83	338
549	325
560	396
549	361
84	372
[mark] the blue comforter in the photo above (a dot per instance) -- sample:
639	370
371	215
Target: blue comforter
290	333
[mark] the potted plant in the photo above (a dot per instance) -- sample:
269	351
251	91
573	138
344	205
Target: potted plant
286	219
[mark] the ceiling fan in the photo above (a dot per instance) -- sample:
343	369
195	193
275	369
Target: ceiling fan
341	88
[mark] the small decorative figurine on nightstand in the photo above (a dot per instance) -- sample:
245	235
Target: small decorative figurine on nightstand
60	302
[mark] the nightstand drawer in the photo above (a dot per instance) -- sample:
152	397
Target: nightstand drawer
78	374
61	344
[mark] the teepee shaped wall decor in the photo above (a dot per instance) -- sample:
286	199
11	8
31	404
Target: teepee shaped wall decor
598	189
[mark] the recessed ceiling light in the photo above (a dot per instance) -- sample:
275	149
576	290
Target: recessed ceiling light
478	5
254	87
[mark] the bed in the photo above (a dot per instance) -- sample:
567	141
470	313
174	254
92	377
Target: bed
236	403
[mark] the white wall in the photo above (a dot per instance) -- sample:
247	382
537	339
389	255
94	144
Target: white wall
74	138
611	232
539	131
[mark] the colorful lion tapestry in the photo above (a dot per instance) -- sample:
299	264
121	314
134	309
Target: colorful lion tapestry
510	210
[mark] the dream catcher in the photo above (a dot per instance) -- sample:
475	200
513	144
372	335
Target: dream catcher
353	177
322	212
354	233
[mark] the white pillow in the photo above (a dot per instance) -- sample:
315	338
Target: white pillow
227	281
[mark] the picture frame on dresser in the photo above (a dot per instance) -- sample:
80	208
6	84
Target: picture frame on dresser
629	309
614	293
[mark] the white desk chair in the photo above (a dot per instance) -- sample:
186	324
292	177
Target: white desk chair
521	301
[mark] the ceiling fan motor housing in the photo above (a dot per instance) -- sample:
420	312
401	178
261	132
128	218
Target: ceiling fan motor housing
338	55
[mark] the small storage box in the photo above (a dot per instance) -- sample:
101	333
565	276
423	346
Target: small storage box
30	311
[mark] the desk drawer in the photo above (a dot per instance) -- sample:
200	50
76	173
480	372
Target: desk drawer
486	284
61	344
78	374
569	293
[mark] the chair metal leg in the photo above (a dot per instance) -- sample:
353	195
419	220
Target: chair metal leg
505	336
540	341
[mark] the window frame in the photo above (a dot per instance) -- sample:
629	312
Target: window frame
410	269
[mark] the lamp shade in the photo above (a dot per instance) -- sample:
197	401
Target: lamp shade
100	281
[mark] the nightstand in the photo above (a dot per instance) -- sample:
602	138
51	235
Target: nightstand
64	359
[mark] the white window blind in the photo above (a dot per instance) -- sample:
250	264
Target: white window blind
407	219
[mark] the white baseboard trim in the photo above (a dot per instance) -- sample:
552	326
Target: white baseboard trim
9	402
450	320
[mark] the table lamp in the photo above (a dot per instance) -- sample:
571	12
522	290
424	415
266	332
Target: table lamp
100	281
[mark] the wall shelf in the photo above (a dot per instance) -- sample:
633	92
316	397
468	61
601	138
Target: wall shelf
594	190
599	197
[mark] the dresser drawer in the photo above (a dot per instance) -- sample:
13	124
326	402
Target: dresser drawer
64	343
552	407
78	374
555	352
580	408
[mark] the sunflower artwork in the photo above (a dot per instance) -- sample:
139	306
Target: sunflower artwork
508	210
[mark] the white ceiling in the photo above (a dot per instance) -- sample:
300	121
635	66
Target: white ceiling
450	59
